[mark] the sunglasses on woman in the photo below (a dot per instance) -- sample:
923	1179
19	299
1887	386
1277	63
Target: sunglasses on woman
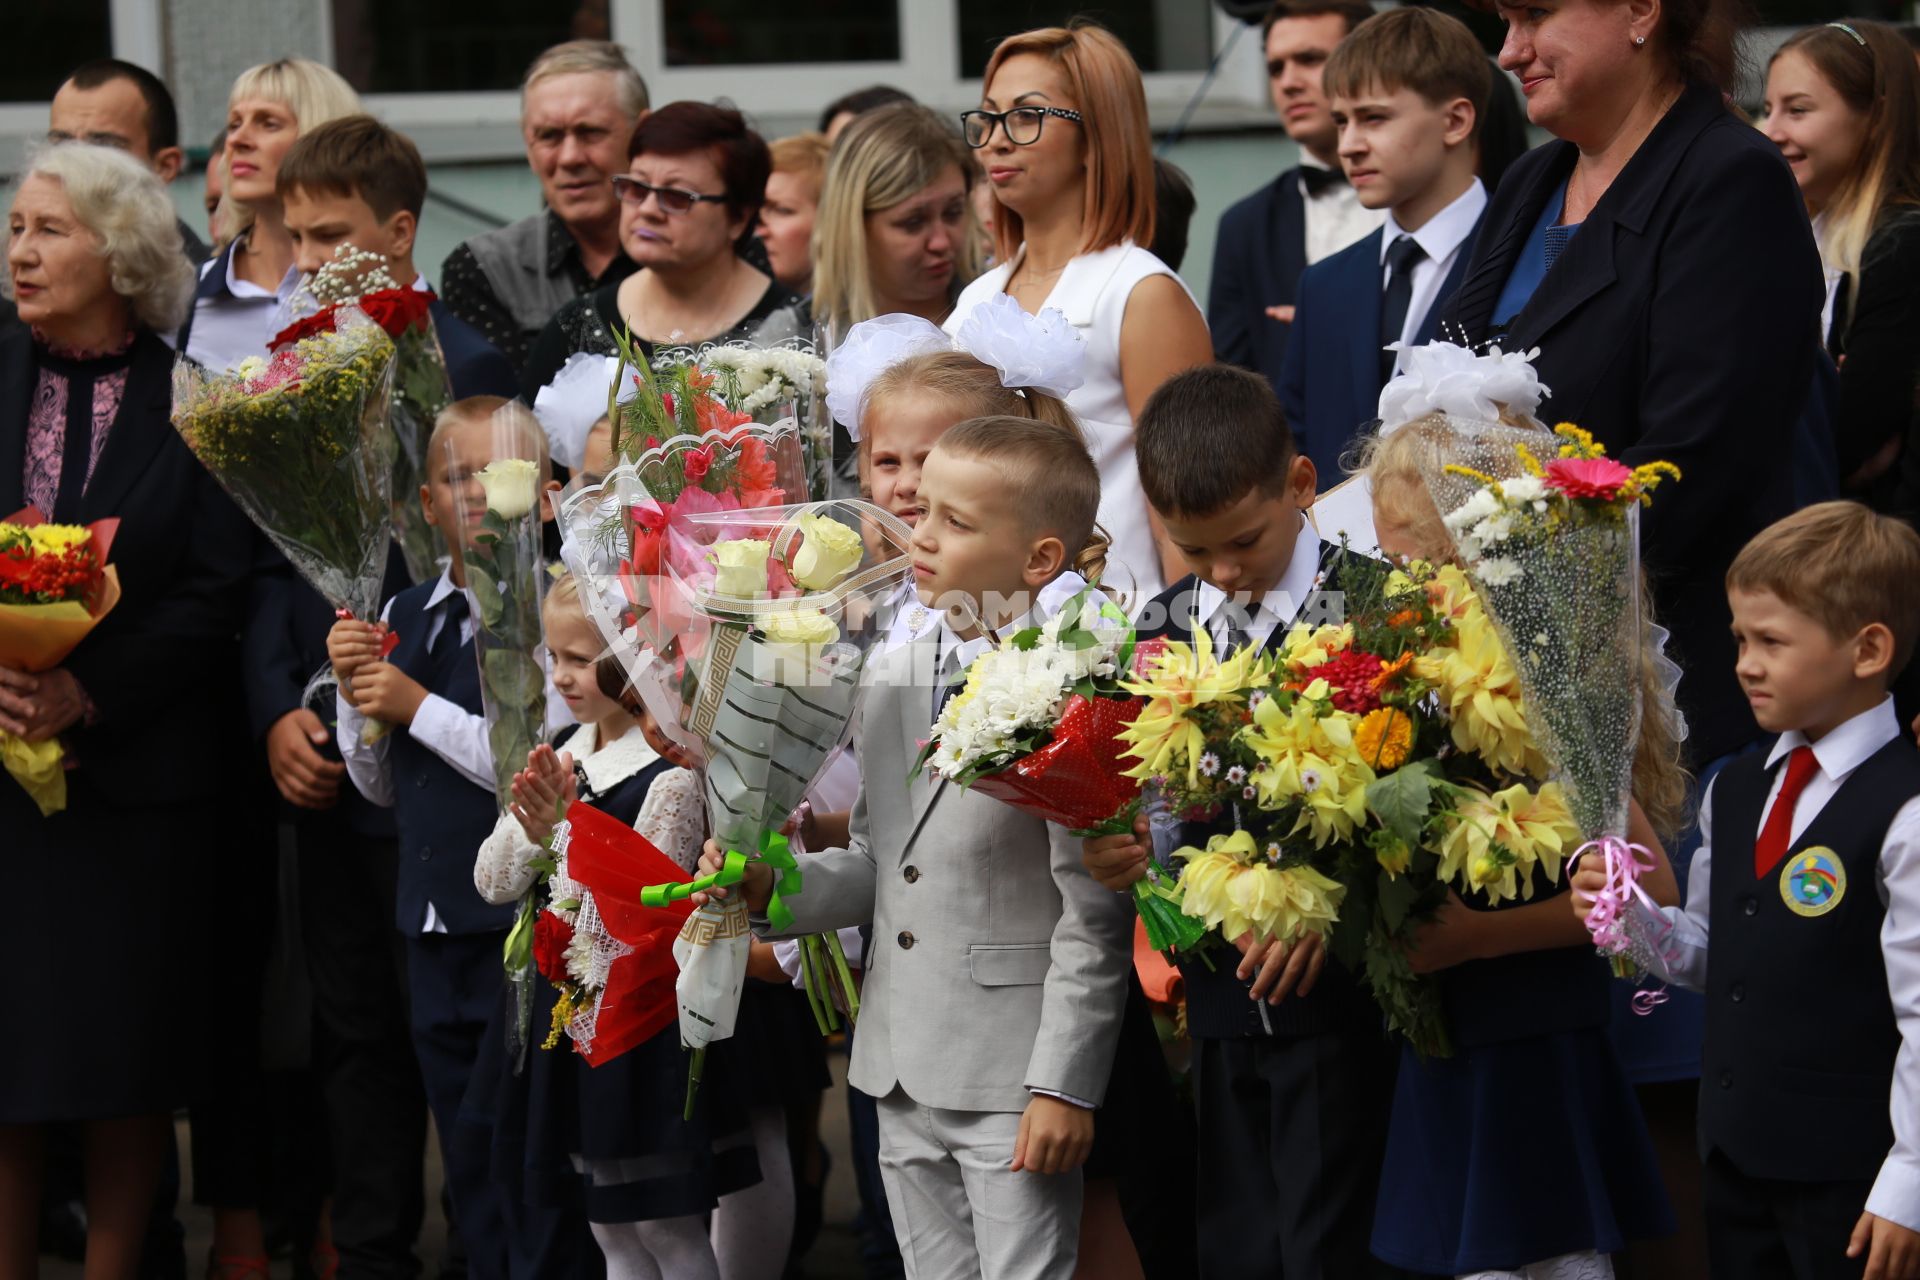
1022	124
674	200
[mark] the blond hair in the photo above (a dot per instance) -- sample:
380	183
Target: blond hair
1050	477
804	154
1394	466
885	156
973	389
313	94
502	416
1844	566
1106	87
608	672
590	57
126	208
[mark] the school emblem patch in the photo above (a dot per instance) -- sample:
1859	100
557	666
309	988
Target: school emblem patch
1813	881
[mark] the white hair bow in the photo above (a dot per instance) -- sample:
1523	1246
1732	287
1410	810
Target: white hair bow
1454	380
1043	352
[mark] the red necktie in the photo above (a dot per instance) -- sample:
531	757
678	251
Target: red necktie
1774	836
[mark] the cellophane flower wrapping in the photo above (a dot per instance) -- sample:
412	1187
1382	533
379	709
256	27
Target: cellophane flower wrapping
619	969
770	384
1558	570
421	385
301	443
506	579
55	587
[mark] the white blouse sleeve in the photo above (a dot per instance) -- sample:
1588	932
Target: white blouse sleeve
674	817
500	871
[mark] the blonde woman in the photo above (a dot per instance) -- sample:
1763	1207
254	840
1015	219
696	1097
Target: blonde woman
1843	106
241	290
1062	134
792	204
894	231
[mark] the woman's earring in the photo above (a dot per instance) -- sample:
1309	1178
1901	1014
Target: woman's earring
1638	40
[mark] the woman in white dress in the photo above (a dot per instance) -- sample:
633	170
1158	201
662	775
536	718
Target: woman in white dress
1062	135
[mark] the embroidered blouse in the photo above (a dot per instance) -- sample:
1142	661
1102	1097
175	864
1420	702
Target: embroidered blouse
103	374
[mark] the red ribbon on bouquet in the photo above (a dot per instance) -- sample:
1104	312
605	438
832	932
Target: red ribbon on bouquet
1076	779
615	862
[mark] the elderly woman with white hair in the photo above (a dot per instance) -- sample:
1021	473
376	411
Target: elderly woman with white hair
106	943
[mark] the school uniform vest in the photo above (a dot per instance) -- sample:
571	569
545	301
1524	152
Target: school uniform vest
442	817
1219	1006
623	799
1797	1072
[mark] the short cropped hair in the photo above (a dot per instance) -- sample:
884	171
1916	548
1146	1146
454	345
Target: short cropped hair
585	57
1423	50
682	128
1049	474
124	204
1354	11
861	101
1843	565
357	157
1207	437
163	119
509	415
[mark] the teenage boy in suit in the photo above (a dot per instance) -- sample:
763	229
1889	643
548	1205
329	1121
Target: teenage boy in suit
1408	92
1307	213
1291	1074
992	998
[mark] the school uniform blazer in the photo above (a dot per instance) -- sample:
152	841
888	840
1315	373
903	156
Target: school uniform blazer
157	666
998	967
1330	384
1258	255
1681	322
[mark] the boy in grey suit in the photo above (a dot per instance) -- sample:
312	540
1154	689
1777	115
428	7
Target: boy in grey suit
994	986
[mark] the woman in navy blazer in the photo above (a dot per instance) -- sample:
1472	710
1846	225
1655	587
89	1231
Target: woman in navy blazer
1659	257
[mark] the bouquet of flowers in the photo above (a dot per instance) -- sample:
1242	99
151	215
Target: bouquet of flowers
1547	527
769	385
1038	725
1367	768
610	957
421	386
301	443
743	620
55	587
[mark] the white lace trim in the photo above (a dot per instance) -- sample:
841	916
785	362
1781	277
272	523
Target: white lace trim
674	817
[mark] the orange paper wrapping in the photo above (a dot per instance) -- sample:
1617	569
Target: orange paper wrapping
38	637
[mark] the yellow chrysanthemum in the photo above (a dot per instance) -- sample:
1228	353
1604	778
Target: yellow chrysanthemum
1309	759
56	539
1181	679
1535	828
1232	888
1309	647
1384	738
1477	684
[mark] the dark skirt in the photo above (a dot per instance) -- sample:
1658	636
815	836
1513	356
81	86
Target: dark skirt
111	954
777	1042
630	1110
1511	1153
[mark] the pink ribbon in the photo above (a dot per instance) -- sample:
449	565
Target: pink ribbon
1624	864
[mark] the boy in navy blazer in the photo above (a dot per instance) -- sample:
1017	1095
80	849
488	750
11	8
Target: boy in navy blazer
1408	91
1802	919
433	766
1292	1074
1268	238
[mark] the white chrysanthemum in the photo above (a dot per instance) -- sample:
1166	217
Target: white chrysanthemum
1522	489
1497	571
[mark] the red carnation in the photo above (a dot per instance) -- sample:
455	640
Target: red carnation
1601	478
1352	675
551	938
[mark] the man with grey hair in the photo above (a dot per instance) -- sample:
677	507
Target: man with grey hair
579	104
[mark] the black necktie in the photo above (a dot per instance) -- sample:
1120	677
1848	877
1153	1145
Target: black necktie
1402	255
448	641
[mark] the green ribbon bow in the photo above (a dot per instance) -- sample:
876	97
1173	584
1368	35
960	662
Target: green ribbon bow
773	850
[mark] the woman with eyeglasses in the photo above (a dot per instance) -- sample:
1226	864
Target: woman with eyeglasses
1062	135
691	195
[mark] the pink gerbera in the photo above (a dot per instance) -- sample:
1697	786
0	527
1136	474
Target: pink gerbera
1601	478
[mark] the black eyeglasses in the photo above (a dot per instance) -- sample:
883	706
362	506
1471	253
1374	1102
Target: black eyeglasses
672	199
1022	124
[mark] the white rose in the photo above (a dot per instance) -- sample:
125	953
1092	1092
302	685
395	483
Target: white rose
740	567
512	485
828	552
